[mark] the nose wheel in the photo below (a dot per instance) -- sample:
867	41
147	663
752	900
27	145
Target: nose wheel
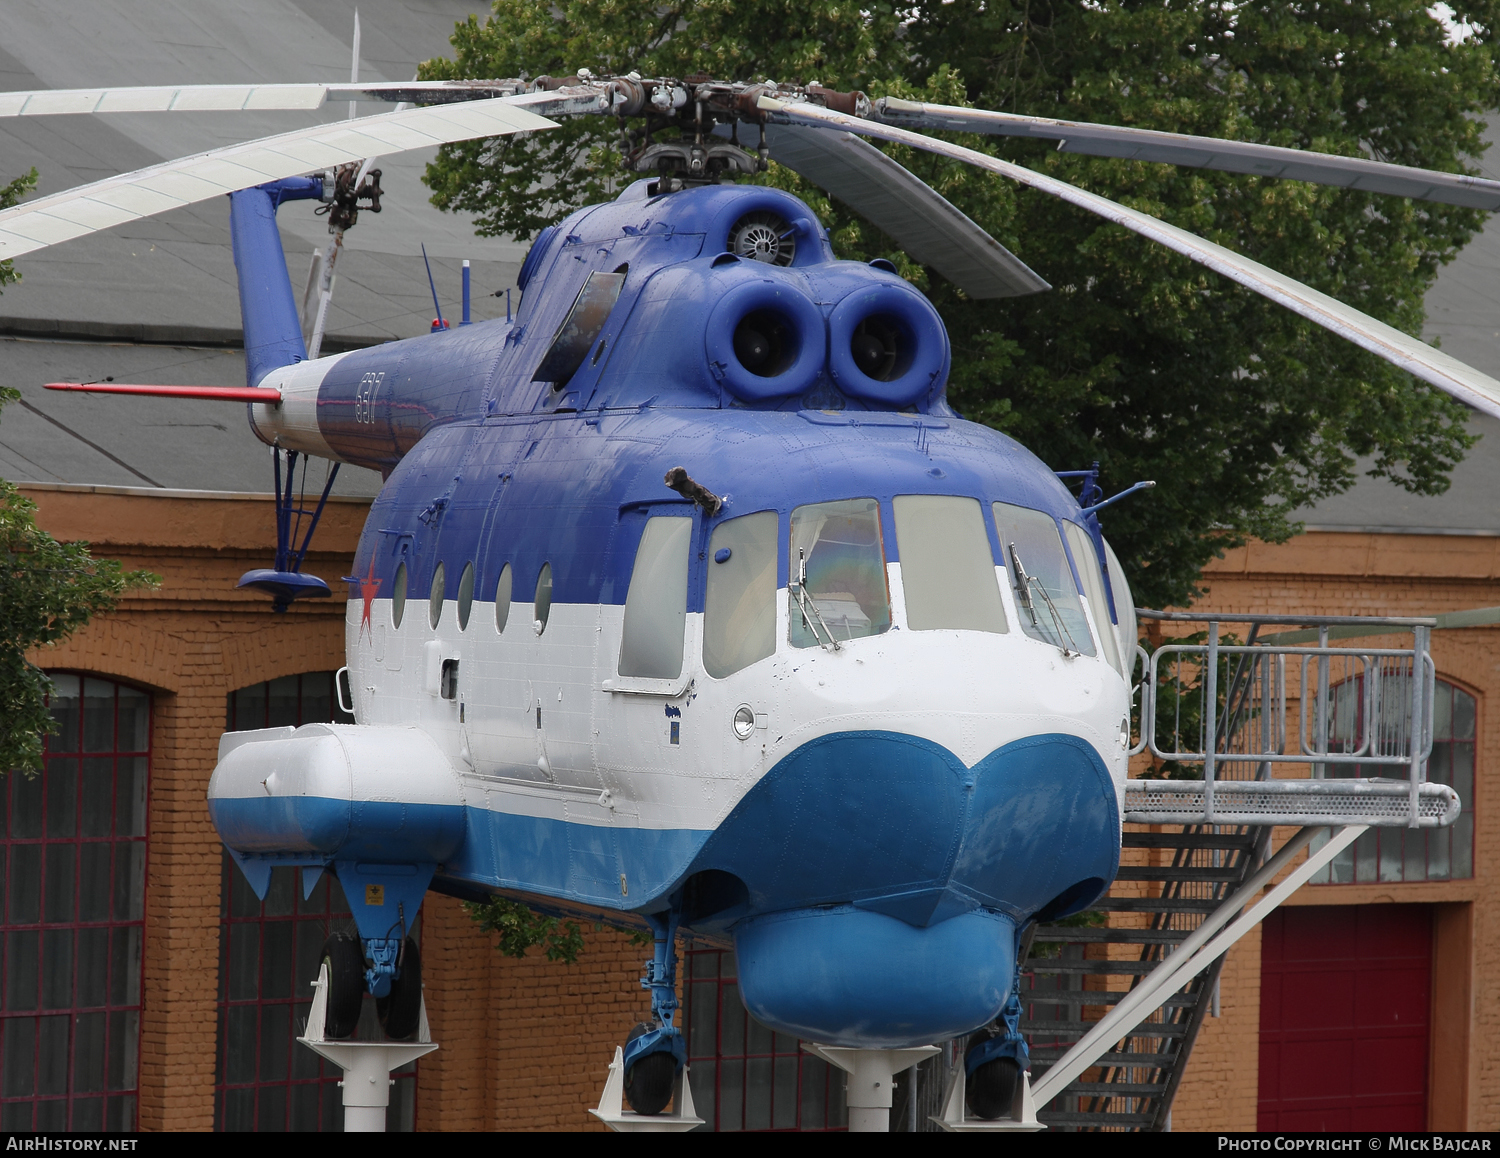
651	1069
648	1082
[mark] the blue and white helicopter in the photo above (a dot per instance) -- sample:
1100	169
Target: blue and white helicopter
688	598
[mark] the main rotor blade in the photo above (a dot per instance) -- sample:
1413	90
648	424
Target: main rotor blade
1203	153
88	208
923	222
1411	354
201	98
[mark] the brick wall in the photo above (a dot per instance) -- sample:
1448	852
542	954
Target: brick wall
525	1044
1328	573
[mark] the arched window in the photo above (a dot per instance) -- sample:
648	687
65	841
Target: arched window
745	1076
74	848
1391	855
268	960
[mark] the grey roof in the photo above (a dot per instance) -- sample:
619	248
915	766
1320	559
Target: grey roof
171	279
1463	313
177	269
110	440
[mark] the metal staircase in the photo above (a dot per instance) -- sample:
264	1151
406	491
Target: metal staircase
1191	843
1073	970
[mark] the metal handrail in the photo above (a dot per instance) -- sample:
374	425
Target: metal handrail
1391	726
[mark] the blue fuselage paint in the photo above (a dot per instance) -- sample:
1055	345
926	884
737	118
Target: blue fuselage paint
890	836
892	823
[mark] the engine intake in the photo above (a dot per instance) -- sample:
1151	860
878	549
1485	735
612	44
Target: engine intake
765	339
886	344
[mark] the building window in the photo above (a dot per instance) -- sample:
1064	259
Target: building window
74	847
1395	855
268	960
745	1076
292	701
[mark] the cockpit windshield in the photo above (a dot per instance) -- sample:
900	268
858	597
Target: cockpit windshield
837	583
1046	595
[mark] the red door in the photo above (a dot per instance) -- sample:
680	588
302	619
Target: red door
1344	1000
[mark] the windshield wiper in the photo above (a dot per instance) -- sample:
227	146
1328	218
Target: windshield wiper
809	606
1024	587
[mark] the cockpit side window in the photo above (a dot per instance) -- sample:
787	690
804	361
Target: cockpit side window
1086	559
837	583
1046	596
575	337
947	571
739	609
656	604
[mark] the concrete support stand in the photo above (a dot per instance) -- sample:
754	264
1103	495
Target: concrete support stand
611	1109
367	1065
871	1084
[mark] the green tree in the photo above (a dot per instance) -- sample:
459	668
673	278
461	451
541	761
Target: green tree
1138	358
48	590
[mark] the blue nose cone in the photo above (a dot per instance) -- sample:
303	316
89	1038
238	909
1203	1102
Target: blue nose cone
850	977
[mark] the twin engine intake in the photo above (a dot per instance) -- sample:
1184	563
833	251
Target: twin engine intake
768	338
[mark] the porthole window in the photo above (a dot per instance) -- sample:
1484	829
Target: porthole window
398	596
435	600
543	605
465	596
502	598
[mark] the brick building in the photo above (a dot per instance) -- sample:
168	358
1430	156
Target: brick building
173	1005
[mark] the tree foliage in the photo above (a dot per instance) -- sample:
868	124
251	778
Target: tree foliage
11	194
48	590
1138	358
518	928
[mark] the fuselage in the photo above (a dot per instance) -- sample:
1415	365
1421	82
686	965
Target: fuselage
882	683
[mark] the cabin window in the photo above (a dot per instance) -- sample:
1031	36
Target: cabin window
575	337
542	604
1128	629
398	596
1086	557
465	596
435	599
837	582
1046	596
502	598
739	611
947	570
656	605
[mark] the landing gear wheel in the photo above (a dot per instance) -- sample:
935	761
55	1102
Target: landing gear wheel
648	1083
401	1009
346	984
991	1089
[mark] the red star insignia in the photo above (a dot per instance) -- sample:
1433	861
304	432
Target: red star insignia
368	586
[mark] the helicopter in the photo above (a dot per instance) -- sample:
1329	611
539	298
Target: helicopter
687	597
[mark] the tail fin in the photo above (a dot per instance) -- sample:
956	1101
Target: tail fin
273	329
